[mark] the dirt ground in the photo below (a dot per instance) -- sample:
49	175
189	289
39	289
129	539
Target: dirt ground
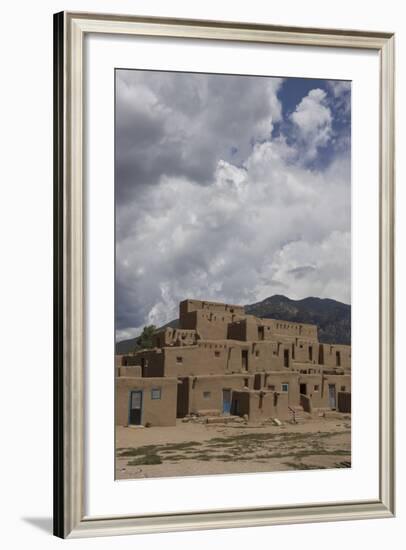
197	448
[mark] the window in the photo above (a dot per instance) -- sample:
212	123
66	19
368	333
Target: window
285	387
246	382
257	353
342	388
179	360
316	387
338	359
310	353
217	354
206	394
286	358
156	393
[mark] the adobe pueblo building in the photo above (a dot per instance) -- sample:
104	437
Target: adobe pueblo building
221	361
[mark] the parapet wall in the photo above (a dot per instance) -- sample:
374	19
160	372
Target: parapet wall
288	328
215	307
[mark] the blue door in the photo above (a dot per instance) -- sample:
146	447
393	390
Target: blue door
226	401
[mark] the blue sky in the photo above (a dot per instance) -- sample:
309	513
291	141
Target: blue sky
229	188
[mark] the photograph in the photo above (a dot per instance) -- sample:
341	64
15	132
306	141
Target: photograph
232	274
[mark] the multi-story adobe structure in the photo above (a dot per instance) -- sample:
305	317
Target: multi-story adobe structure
221	361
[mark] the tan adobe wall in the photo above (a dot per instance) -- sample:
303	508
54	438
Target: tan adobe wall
151	362
270	356
317	387
217	307
157	412
227	356
119	360
314	389
289	328
337	355
130	372
261	405
193	360
174	337
209	325
308	351
206	392
245	329
342	382
274	381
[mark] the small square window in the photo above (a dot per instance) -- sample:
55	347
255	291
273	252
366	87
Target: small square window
257	353
217	354
316	387
206	394
285	387
342	388
156	393
179	360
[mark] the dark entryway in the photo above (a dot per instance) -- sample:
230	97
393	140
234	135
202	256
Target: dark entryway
261	333
182	402
286	358
135	408
143	367
257	382
321	354
244	359
303	389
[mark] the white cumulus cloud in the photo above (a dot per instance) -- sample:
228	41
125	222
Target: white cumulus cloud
258	222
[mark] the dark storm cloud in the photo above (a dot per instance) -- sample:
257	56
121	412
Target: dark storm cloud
178	124
301	271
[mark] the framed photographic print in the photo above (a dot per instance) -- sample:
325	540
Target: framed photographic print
223	274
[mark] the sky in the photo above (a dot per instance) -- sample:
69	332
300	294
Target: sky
229	188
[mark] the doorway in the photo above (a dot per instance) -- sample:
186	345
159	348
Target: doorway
226	401
332	396
321	354
182	399
135	408
244	359
303	389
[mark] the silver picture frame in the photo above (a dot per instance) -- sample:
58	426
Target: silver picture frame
70	30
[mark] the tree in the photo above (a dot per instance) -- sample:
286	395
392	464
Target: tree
145	339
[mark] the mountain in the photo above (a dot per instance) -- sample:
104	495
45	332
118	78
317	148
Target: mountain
333	318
